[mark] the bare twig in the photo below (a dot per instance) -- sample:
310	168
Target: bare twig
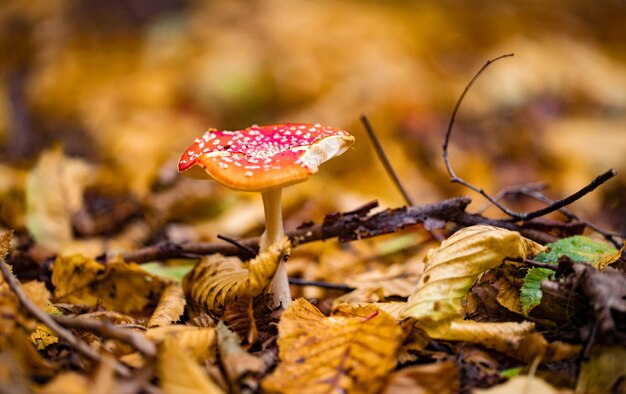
380	152
44	318
246	251
347	226
554	206
321	284
107	329
537	264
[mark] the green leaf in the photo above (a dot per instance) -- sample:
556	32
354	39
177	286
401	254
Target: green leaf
578	248
172	272
511	372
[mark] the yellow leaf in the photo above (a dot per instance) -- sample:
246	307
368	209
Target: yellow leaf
43	337
396	280
198	341
179	373
170	308
440	378
218	280
350	351
66	382
508	297
117	285
5	243
362	296
604	371
457	264
54	192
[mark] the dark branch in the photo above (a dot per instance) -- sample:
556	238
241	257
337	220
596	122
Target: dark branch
323	285
347	226
380	152
44	318
554	206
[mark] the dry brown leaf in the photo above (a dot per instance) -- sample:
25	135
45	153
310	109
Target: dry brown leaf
457	264
5	244
199	342
170	308
350	351
240	366
603	371
43	337
522	385
508	297
518	340
180	373
117	285
239	317
54	193
218	280
362	296
440	378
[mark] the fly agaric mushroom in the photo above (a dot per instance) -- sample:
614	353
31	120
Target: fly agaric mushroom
265	159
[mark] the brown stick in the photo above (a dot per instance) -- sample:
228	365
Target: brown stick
106	329
347	226
380	152
44	318
554	206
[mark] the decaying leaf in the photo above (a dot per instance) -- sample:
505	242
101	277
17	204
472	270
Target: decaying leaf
198	341
5	244
218	280
397	280
170	308
604	371
518	340
180	373
455	266
364	295
239	317
54	192
521	385
441	378
43	337
508	297
117	285
240	366
350	351
578	248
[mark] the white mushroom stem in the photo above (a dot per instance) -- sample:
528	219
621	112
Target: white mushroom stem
279	287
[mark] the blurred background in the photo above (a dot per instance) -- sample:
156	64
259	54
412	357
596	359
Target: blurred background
124	86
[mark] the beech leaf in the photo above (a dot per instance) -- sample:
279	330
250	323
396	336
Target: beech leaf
170	308
350	351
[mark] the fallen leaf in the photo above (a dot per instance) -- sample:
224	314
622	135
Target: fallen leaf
457	264
170	308
180	373
43	337
441	378
218	280
396	280
522	385
67	383
350	351
604	371
239	317
54	193
509	297
240	366
116	285
198	341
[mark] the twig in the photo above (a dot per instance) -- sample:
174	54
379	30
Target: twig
554	206
347	226
380	152
247	251
537	264
321	284
107	329
44	318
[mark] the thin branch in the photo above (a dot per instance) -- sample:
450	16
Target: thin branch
246	251
554	206
537	264
347	226
44	318
107	329
321	284
380	152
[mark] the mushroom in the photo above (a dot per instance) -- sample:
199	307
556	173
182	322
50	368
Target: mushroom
265	159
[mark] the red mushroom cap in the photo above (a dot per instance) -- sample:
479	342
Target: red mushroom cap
263	157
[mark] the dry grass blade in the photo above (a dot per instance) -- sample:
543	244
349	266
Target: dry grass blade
350	351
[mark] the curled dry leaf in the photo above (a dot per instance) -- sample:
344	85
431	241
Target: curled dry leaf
350	351
218	280
457	264
170	308
179	372
239	317
508	297
117	285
